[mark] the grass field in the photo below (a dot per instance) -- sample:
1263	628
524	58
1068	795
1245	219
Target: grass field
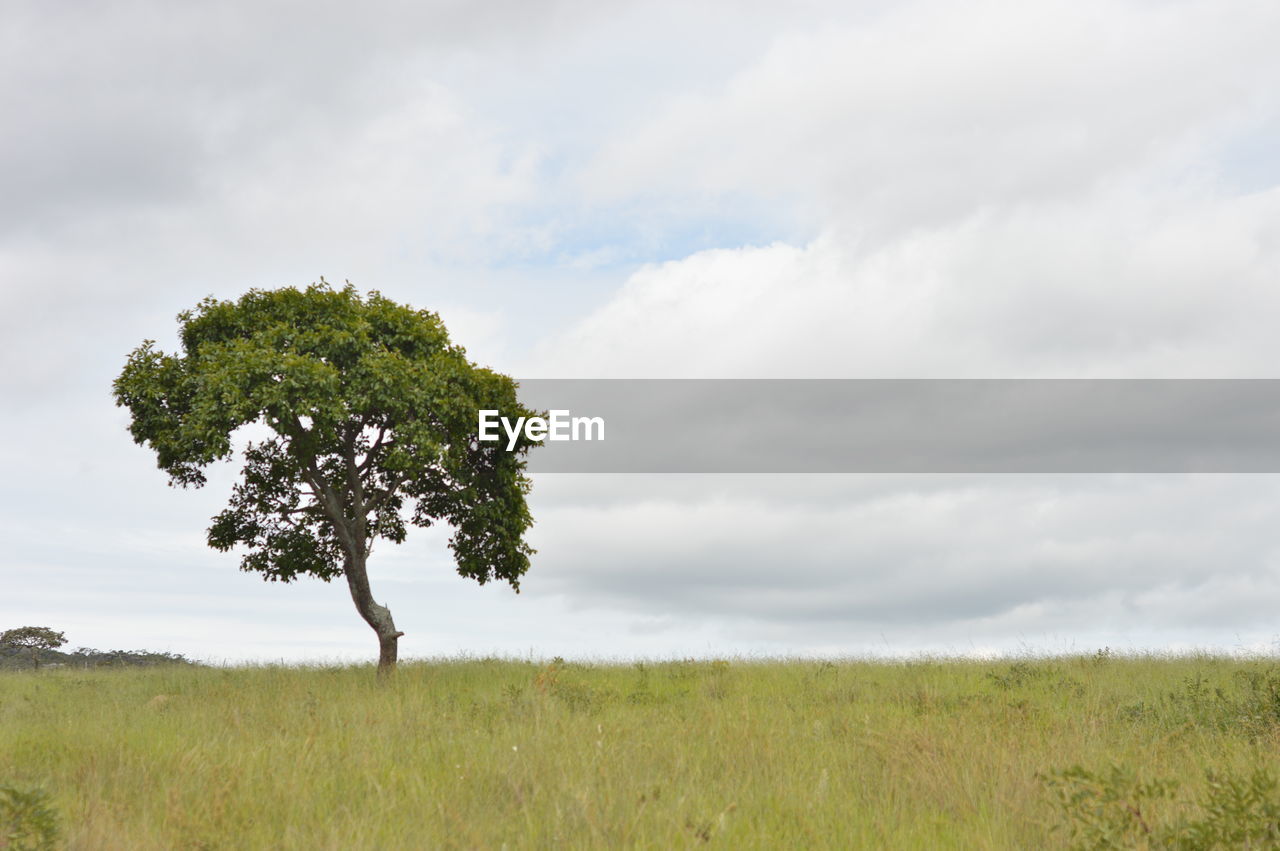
1016	753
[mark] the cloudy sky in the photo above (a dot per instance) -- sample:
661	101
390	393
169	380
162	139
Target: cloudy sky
888	190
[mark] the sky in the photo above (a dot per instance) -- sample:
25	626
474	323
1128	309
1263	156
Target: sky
656	190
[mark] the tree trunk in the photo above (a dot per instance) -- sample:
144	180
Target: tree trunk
378	617
387	652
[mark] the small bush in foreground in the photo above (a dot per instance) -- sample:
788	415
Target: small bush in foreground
1116	809
27	821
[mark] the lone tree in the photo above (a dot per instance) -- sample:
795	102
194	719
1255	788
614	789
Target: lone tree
34	638
372	418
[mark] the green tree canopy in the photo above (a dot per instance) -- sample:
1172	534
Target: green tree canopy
372	415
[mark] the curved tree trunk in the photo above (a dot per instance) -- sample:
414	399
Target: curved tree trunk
378	617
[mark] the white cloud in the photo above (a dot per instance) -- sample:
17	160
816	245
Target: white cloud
1172	282
934	110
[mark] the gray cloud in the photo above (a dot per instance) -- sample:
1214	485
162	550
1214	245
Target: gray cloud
955	555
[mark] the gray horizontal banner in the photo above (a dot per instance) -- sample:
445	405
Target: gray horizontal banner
904	425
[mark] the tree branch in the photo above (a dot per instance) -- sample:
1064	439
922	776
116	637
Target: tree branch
359	511
325	495
373	450
385	494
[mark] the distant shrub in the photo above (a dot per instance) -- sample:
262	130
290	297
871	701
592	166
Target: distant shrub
27	821
1250	705
89	657
641	692
13	656
1258	704
1019	674
556	680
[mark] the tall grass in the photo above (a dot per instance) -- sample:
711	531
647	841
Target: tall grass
491	753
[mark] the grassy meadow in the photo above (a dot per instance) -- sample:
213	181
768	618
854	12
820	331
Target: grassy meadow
1095	752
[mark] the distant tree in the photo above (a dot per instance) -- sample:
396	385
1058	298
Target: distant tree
372	420
33	638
